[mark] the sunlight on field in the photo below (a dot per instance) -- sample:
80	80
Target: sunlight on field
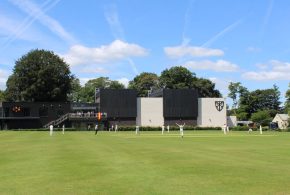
203	162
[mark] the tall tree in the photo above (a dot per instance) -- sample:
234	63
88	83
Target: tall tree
2	96
287	103
116	85
233	93
144	82
177	77
87	93
259	100
39	75
12	92
237	93
75	95
267	99
205	87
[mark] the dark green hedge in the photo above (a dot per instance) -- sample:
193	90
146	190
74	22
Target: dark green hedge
172	128
44	129
245	128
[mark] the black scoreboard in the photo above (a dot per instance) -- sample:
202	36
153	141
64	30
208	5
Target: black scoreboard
180	103
118	103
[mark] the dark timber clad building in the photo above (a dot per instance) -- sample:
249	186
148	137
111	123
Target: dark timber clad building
118	106
30	115
178	105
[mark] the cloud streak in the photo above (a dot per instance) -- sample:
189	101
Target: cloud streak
112	17
186	40
222	33
37	12
15	29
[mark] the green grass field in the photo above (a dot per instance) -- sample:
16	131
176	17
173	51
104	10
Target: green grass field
203	162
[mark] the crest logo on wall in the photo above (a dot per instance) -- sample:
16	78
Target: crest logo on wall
219	105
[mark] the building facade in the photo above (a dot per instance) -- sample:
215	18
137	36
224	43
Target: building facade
282	120
119	107
32	115
212	112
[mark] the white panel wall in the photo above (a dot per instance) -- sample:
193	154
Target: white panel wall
232	121
150	112
209	115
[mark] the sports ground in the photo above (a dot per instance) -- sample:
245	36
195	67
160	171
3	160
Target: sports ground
203	162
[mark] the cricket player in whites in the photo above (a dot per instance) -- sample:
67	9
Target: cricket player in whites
181	129
137	130
225	129
261	130
163	127
50	130
63	129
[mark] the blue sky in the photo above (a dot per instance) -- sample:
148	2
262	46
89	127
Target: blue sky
225	41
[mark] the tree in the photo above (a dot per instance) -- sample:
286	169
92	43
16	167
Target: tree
144	82
87	93
237	91
233	93
116	85
254	101
242	113
39	75
177	77
287	103
2	96
205	87
267	99
75	95
262	116
12	92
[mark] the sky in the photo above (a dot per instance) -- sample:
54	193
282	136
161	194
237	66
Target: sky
225	41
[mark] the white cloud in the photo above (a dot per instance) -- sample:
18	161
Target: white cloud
280	71
124	81
180	51
218	66
117	50
280	66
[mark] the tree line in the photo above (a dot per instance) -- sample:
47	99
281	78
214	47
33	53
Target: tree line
41	75
258	105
